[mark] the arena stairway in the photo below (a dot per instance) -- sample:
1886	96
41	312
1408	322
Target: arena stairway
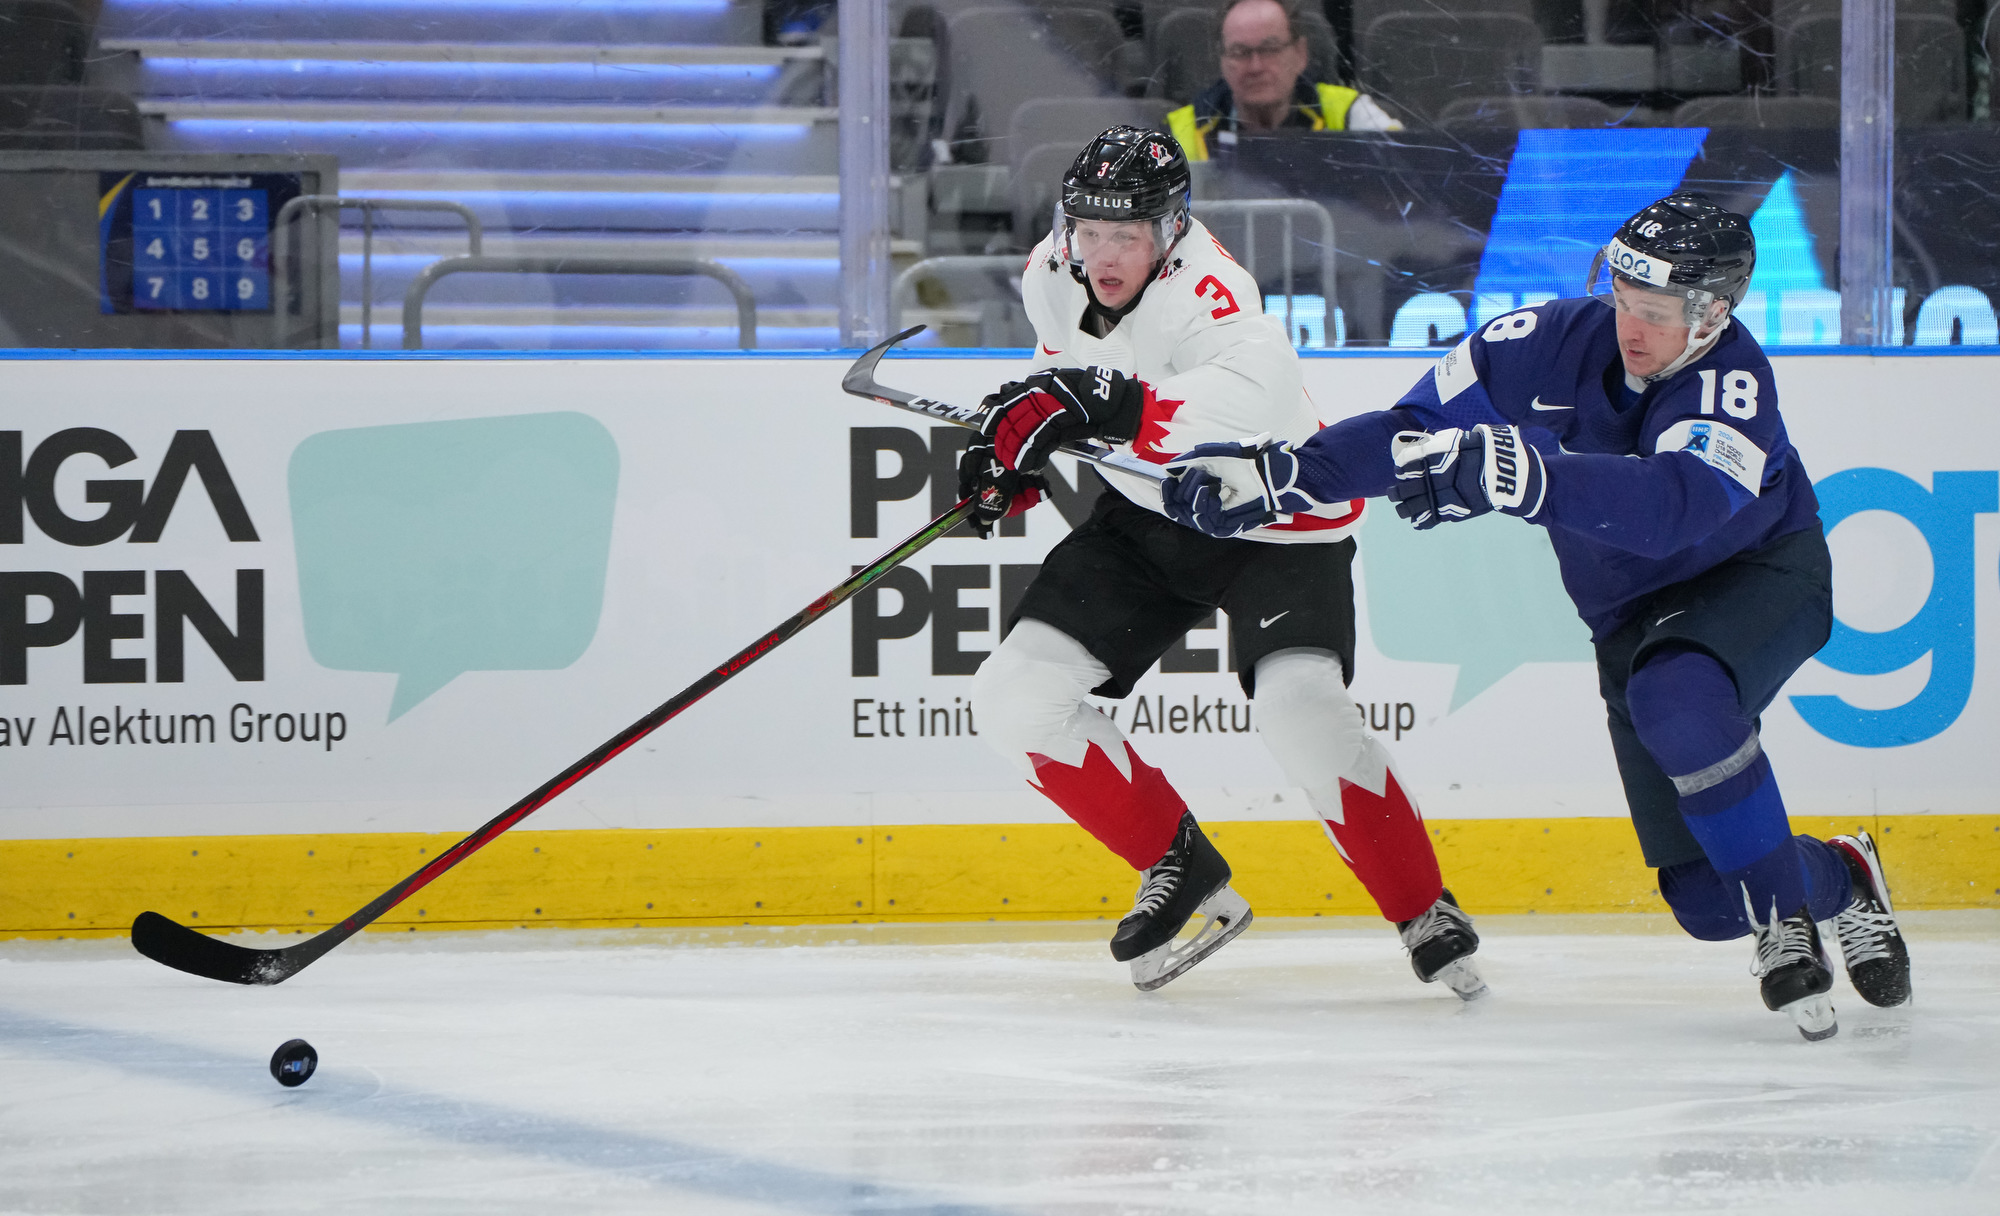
571	127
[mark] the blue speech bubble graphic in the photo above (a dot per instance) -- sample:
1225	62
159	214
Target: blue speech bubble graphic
1484	593
436	548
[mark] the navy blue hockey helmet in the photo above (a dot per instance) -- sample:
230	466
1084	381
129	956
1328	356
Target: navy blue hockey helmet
1683	245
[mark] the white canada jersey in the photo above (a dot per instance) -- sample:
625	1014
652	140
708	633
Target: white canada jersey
1219	370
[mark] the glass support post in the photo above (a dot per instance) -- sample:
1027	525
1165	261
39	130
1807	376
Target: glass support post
1867	171
864	172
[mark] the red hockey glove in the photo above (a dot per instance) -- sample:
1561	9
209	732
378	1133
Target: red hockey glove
1028	420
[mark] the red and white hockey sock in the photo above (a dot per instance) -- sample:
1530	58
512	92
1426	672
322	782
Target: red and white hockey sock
1380	833
1126	803
1030	695
1316	734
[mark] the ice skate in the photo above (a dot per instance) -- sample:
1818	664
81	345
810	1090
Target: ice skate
1796	976
1878	961
1191	880
1441	944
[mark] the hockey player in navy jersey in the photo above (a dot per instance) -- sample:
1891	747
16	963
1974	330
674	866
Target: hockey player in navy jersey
1645	436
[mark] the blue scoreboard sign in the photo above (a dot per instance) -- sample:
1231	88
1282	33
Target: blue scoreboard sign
181	242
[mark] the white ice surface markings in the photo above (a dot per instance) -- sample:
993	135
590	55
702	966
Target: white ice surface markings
1296	1071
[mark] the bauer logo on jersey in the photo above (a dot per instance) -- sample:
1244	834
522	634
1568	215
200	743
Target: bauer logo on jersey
1721	447
1629	261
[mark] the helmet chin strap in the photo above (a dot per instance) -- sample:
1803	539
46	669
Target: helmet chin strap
1698	342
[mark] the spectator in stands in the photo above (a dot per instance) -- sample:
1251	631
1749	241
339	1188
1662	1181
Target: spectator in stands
1264	86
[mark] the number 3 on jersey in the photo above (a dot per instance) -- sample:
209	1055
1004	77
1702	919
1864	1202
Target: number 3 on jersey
1211	288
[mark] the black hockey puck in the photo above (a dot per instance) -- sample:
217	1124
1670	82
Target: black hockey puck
294	1062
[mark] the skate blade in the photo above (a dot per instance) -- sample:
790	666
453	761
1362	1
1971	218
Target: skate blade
1813	1015
1224	915
1462	977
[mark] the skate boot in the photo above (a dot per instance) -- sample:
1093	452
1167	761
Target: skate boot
1441	942
1878	963
1793	966
1191	880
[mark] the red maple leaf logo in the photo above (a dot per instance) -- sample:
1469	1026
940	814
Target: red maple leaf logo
1153	429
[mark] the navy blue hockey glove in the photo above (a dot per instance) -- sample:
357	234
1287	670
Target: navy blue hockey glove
1457	474
1193	496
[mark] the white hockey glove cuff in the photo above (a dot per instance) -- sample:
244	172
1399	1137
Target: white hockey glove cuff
1457	474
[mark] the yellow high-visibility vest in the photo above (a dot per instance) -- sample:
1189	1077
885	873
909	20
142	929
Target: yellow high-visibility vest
1330	114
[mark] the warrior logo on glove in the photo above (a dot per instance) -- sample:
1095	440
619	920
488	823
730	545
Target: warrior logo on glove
1455	474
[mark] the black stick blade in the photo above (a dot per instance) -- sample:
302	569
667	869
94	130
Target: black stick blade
860	377
183	949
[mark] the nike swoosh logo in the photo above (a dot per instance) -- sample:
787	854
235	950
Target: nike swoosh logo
1267	622
1047	351
1670	616
1536	404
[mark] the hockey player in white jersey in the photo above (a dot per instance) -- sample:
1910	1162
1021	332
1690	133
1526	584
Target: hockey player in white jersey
1153	340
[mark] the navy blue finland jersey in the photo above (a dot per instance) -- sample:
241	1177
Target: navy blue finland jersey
1641	493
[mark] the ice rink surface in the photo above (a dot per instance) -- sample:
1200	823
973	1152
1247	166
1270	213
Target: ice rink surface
996	1069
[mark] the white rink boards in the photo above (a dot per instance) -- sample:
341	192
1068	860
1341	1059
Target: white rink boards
472	571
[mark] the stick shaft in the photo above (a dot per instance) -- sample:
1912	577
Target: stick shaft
669	710
166	941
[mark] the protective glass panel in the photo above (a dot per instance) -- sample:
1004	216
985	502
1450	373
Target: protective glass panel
319	173
1945	226
646	174
1394	172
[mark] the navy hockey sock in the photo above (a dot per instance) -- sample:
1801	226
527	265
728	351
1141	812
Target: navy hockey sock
1711	908
1685	710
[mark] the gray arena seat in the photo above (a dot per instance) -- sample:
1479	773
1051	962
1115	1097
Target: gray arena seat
1187	56
1036	184
1091	36
993	60
1758	111
1071	121
1930	64
1421	62
1522	113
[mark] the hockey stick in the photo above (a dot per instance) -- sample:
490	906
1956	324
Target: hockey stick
860	381
166	941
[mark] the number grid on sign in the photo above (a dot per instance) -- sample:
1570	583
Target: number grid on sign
201	250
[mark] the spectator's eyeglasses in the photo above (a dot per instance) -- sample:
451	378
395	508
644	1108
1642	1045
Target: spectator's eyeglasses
1238	53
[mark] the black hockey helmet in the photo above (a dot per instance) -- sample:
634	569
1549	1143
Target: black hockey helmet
1685	246
1125	174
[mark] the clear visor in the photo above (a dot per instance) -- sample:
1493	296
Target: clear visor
1667	306
1077	239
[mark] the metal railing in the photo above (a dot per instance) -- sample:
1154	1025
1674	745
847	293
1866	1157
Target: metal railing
413	299
905	286
1291	215
281	287
1288	210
